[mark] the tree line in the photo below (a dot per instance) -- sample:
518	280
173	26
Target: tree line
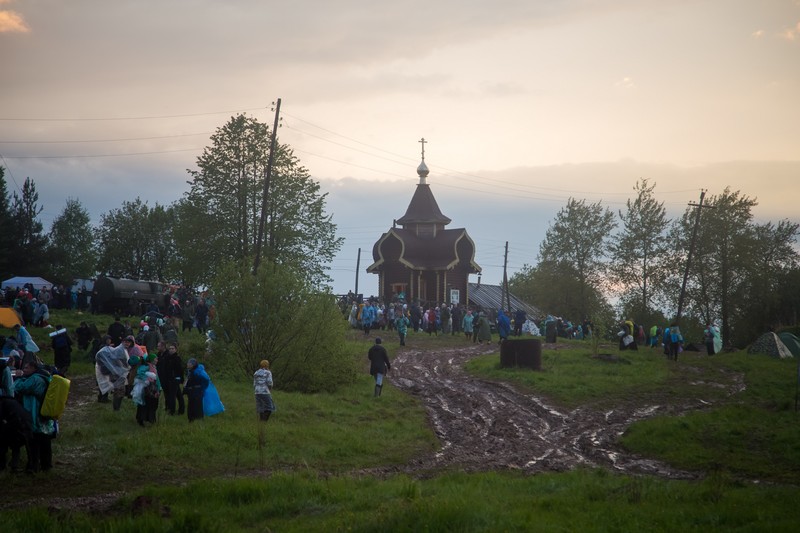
187	241
208	238
743	274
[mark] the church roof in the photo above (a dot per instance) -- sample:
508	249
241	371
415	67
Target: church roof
423	208
493	297
437	253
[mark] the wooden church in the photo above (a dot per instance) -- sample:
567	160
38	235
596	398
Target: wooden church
421	260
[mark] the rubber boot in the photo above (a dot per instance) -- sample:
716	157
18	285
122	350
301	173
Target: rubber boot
102	398
117	403
266	416
377	391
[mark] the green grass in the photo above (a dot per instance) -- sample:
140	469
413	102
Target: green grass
322	432
297	473
571	376
752	431
754	434
583	500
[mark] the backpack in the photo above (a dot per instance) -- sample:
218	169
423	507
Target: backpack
151	389
60	341
55	398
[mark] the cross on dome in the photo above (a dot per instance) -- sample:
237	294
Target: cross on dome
422	169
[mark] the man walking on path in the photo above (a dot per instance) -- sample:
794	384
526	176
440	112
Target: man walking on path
379	364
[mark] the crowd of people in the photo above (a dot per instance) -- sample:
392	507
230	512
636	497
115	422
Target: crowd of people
670	338
476	324
479	325
25	300
143	366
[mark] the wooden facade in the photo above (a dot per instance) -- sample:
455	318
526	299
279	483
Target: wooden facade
422	259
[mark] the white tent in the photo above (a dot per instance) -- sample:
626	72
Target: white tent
20	281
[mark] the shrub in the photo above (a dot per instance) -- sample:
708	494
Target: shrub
276	315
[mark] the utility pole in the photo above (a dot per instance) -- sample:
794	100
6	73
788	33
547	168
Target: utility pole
267	179
699	207
358	266
505	281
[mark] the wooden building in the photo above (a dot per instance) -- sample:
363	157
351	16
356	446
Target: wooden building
421	260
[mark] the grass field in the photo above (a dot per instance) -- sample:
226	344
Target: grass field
307	469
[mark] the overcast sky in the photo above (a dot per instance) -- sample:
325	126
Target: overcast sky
524	104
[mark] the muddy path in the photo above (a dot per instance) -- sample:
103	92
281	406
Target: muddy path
484	425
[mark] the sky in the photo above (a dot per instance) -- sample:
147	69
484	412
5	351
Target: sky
522	104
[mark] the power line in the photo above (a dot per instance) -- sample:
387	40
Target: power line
349	138
348	147
101	155
349	164
5	164
491	181
110	140
479	180
106	119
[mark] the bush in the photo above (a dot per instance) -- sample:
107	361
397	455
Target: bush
276	315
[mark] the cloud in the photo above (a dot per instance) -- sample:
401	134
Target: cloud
789	34
757	34
11	21
626	83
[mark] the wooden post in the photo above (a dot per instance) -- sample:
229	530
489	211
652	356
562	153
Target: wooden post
267	179
699	207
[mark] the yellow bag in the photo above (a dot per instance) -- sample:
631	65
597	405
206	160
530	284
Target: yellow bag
55	399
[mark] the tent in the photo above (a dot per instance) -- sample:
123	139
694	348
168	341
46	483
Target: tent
19	281
792	342
770	344
8	318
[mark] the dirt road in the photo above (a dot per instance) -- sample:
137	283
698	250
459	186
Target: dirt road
485	425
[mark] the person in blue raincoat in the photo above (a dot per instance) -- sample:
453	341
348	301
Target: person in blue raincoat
203	397
503	325
401	325
26	342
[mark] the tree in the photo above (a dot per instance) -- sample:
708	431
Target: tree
219	216
30	245
164	265
638	252
135	241
772	266
552	287
725	246
277	315
7	239
72	251
575	242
